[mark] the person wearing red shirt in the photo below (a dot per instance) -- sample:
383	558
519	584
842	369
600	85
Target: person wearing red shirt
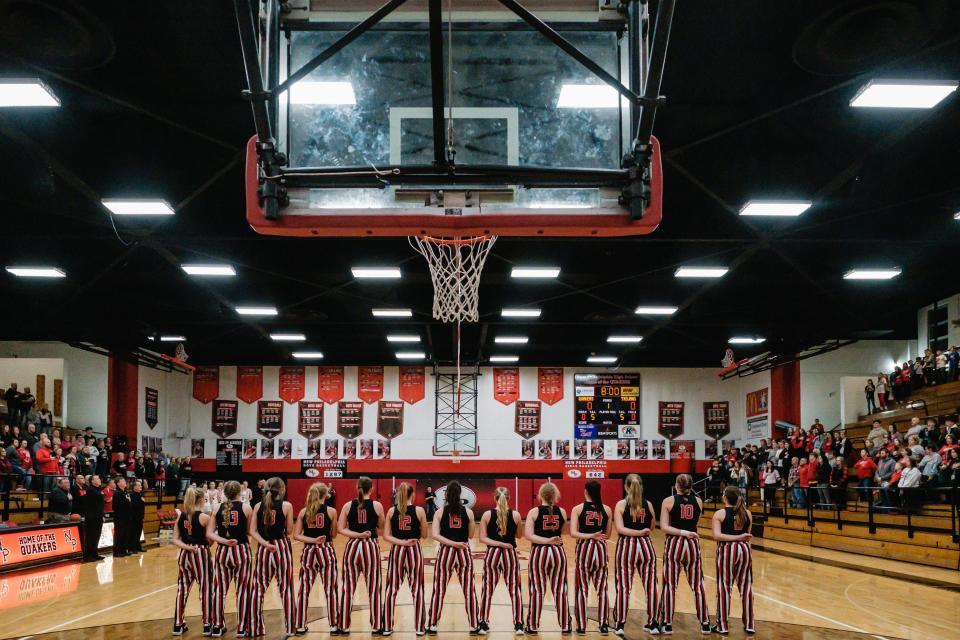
108	496
866	468
47	463
948	444
804	479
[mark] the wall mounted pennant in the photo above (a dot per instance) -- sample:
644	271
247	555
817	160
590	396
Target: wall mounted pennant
330	384
293	383
413	382
269	418
349	419
224	418
716	419
506	384
527	421
206	383
550	384
370	384
670	422
310	422
249	384
151	406
40	391
390	418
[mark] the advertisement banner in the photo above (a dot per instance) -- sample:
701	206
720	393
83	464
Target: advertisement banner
413	384
758	414
323	467
584	468
269	418
224	417
349	419
18	547
206	383
527	419
370	384
550	384
389	418
716	419
293	383
506	384
670	420
310	419
151	406
330	384
249	384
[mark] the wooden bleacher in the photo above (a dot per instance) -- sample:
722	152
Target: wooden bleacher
940	400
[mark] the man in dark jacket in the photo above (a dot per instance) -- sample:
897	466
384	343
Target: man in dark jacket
92	519
136	518
60	502
77	492
121	518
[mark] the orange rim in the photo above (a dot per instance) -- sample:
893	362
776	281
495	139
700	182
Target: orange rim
454	241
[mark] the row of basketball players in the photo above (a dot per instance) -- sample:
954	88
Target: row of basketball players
363	521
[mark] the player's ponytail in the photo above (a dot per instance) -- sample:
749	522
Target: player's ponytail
404	491
634	487
452	503
316	496
548	494
684	483
190	499
741	516
364	486
592	487
502	498
231	490
275	490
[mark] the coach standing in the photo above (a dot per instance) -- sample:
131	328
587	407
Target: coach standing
121	519
136	518
93	519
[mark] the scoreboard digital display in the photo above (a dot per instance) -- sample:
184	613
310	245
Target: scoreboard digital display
607	405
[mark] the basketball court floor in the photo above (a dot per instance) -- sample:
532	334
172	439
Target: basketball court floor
133	597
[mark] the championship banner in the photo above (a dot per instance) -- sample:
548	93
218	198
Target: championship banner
229	455
413	382
330	384
19	546
758	414
206	383
349	419
293	383
670	421
390	419
527	419
370	384
716	419
269	418
41	390
550	384
506	384
249	384
310	420
224	419
151	406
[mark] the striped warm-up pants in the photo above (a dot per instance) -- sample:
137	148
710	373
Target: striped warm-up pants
548	566
268	564
501	561
405	563
449	560
194	566
591	567
232	563
361	555
635	552
734	566
681	553
318	559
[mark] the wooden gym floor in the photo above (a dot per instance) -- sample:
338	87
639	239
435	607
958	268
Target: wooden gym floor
795	599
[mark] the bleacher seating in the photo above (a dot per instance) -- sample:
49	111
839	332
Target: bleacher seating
938	401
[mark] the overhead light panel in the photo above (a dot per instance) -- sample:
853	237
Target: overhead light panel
956	216
26	92
411	355
308	355
209	269
700	272
747	340
601	359
37	272
520	313
148	207
781	208
512	339
903	94
323	93
257	311
535	272
625	339
655	311
504	358
588	96
403	338
392	313
375	272
288	337
872	274
173	339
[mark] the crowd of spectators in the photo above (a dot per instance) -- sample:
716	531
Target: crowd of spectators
931	369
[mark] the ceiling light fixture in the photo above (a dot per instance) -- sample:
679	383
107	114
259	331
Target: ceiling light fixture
625	339
375	272
504	358
655	311
535	272
588	96
26	92
601	359
700	272
172	339
308	355
392	313
520	313
903	94
403	338
872	274
512	339
209	269
37	272
147	207
309	92
257	311
411	355
288	337
747	340
781	208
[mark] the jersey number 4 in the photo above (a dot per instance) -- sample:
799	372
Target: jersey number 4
686	512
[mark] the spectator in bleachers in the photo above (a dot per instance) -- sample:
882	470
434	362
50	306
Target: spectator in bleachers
120	465
931	433
45	418
914	448
838	479
7	477
952	429
60	502
805	474
47	464
781	459
870	391
827	445
915	427
30	436
953	363
876	438
798	443
941	376
715	481
13	455
883	389
769	480
908	482
930	464
844	448
793	483
949	475
12	398
823	478
886	467
6	435
26	462
948	443
27	406
149	470
138	470
186	474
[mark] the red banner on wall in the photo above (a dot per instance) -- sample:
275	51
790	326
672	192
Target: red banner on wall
249	384
206	383
506	384
670	420
330	384
412	384
370	384
269	418
550	384
293	383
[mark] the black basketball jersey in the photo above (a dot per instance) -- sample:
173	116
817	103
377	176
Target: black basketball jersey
363	517
644	519
493	530
405	526
548	522
232	522
276	525
593	518
454	525
191	531
318	525
729	524
685	512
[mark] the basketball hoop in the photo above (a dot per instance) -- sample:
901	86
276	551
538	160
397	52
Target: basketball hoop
455	268
455	456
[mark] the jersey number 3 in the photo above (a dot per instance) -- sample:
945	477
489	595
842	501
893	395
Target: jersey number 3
233	518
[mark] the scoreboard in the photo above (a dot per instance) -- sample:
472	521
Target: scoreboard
607	405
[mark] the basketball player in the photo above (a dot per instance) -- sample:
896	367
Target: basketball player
270	524
405	526
678	519
193	560
590	525
634	520
362	521
316	528
548	561
498	530
452	530
731	530
228	528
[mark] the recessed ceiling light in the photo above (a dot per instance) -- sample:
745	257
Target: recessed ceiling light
288	337
411	355
392	313
375	272
26	92
747	340
504	358
209	269
956	216
784	208
520	313
512	339
172	339
403	338
138	207
308	355
700	272
37	272
601	359
872	274
655	311
322	93
257	311
903	94
535	272
588	96
625	339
